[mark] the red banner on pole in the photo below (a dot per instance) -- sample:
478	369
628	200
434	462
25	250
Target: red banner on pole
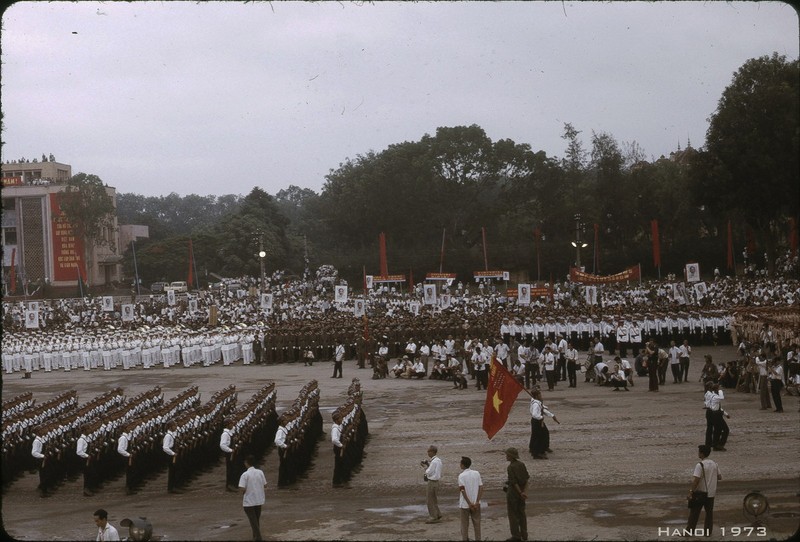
191	266
384	263
501	393
656	243
576	275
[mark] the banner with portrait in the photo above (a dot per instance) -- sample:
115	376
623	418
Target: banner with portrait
429	294
359	308
193	304
266	301
170	297
33	306
590	294
107	303
523	294
446	301
692	272
127	312
700	290
369	282
340	294
31	319
414	307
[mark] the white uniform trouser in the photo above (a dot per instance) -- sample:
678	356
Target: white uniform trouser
86	358
247	353
8	363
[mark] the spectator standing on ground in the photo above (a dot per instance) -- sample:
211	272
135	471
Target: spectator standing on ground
252	484
651	352
516	495
470	491
105	531
338	359
540	435
433	473
704	480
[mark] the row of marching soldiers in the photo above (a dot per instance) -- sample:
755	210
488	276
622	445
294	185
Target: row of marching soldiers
299	429
191	438
248	431
348	435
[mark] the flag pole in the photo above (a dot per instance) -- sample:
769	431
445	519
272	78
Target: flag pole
441	254
485	259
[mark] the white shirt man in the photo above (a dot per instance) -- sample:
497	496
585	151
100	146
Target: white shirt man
122	444
470	491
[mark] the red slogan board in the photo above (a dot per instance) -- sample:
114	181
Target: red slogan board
67	248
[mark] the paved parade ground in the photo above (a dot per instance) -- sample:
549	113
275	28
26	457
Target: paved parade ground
620	467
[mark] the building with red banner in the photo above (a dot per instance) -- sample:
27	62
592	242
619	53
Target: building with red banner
37	237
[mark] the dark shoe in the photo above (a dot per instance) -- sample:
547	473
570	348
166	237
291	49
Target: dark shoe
719	448
230	487
781	410
176	491
87	493
549	451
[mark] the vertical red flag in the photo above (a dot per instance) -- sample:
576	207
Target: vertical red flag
13	279
191	265
384	264
656	243
793	235
730	245
83	275
501	393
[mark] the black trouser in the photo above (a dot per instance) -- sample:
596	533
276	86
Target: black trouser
777	386
572	373
694	515
561	367
720	428
338	467
551	378
337	369
540	437
709	427
676	372
531	373
254	516
685	369
482	378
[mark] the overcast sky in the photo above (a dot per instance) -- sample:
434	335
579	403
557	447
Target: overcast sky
216	98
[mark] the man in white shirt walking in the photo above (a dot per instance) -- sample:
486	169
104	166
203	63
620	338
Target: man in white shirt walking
252	484
470	491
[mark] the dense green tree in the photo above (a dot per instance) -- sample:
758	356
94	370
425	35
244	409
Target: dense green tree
751	163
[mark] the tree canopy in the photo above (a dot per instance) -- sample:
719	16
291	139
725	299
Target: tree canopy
458	181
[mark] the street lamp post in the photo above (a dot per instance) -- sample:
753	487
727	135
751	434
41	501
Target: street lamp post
261	256
577	243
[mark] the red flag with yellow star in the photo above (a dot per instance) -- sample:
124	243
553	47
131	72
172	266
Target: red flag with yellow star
501	393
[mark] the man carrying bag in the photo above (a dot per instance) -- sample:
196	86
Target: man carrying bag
703	490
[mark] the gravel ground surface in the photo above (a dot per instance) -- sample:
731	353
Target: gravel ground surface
620	469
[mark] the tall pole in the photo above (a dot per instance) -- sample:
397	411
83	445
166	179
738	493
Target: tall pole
485	258
441	254
135	267
261	256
